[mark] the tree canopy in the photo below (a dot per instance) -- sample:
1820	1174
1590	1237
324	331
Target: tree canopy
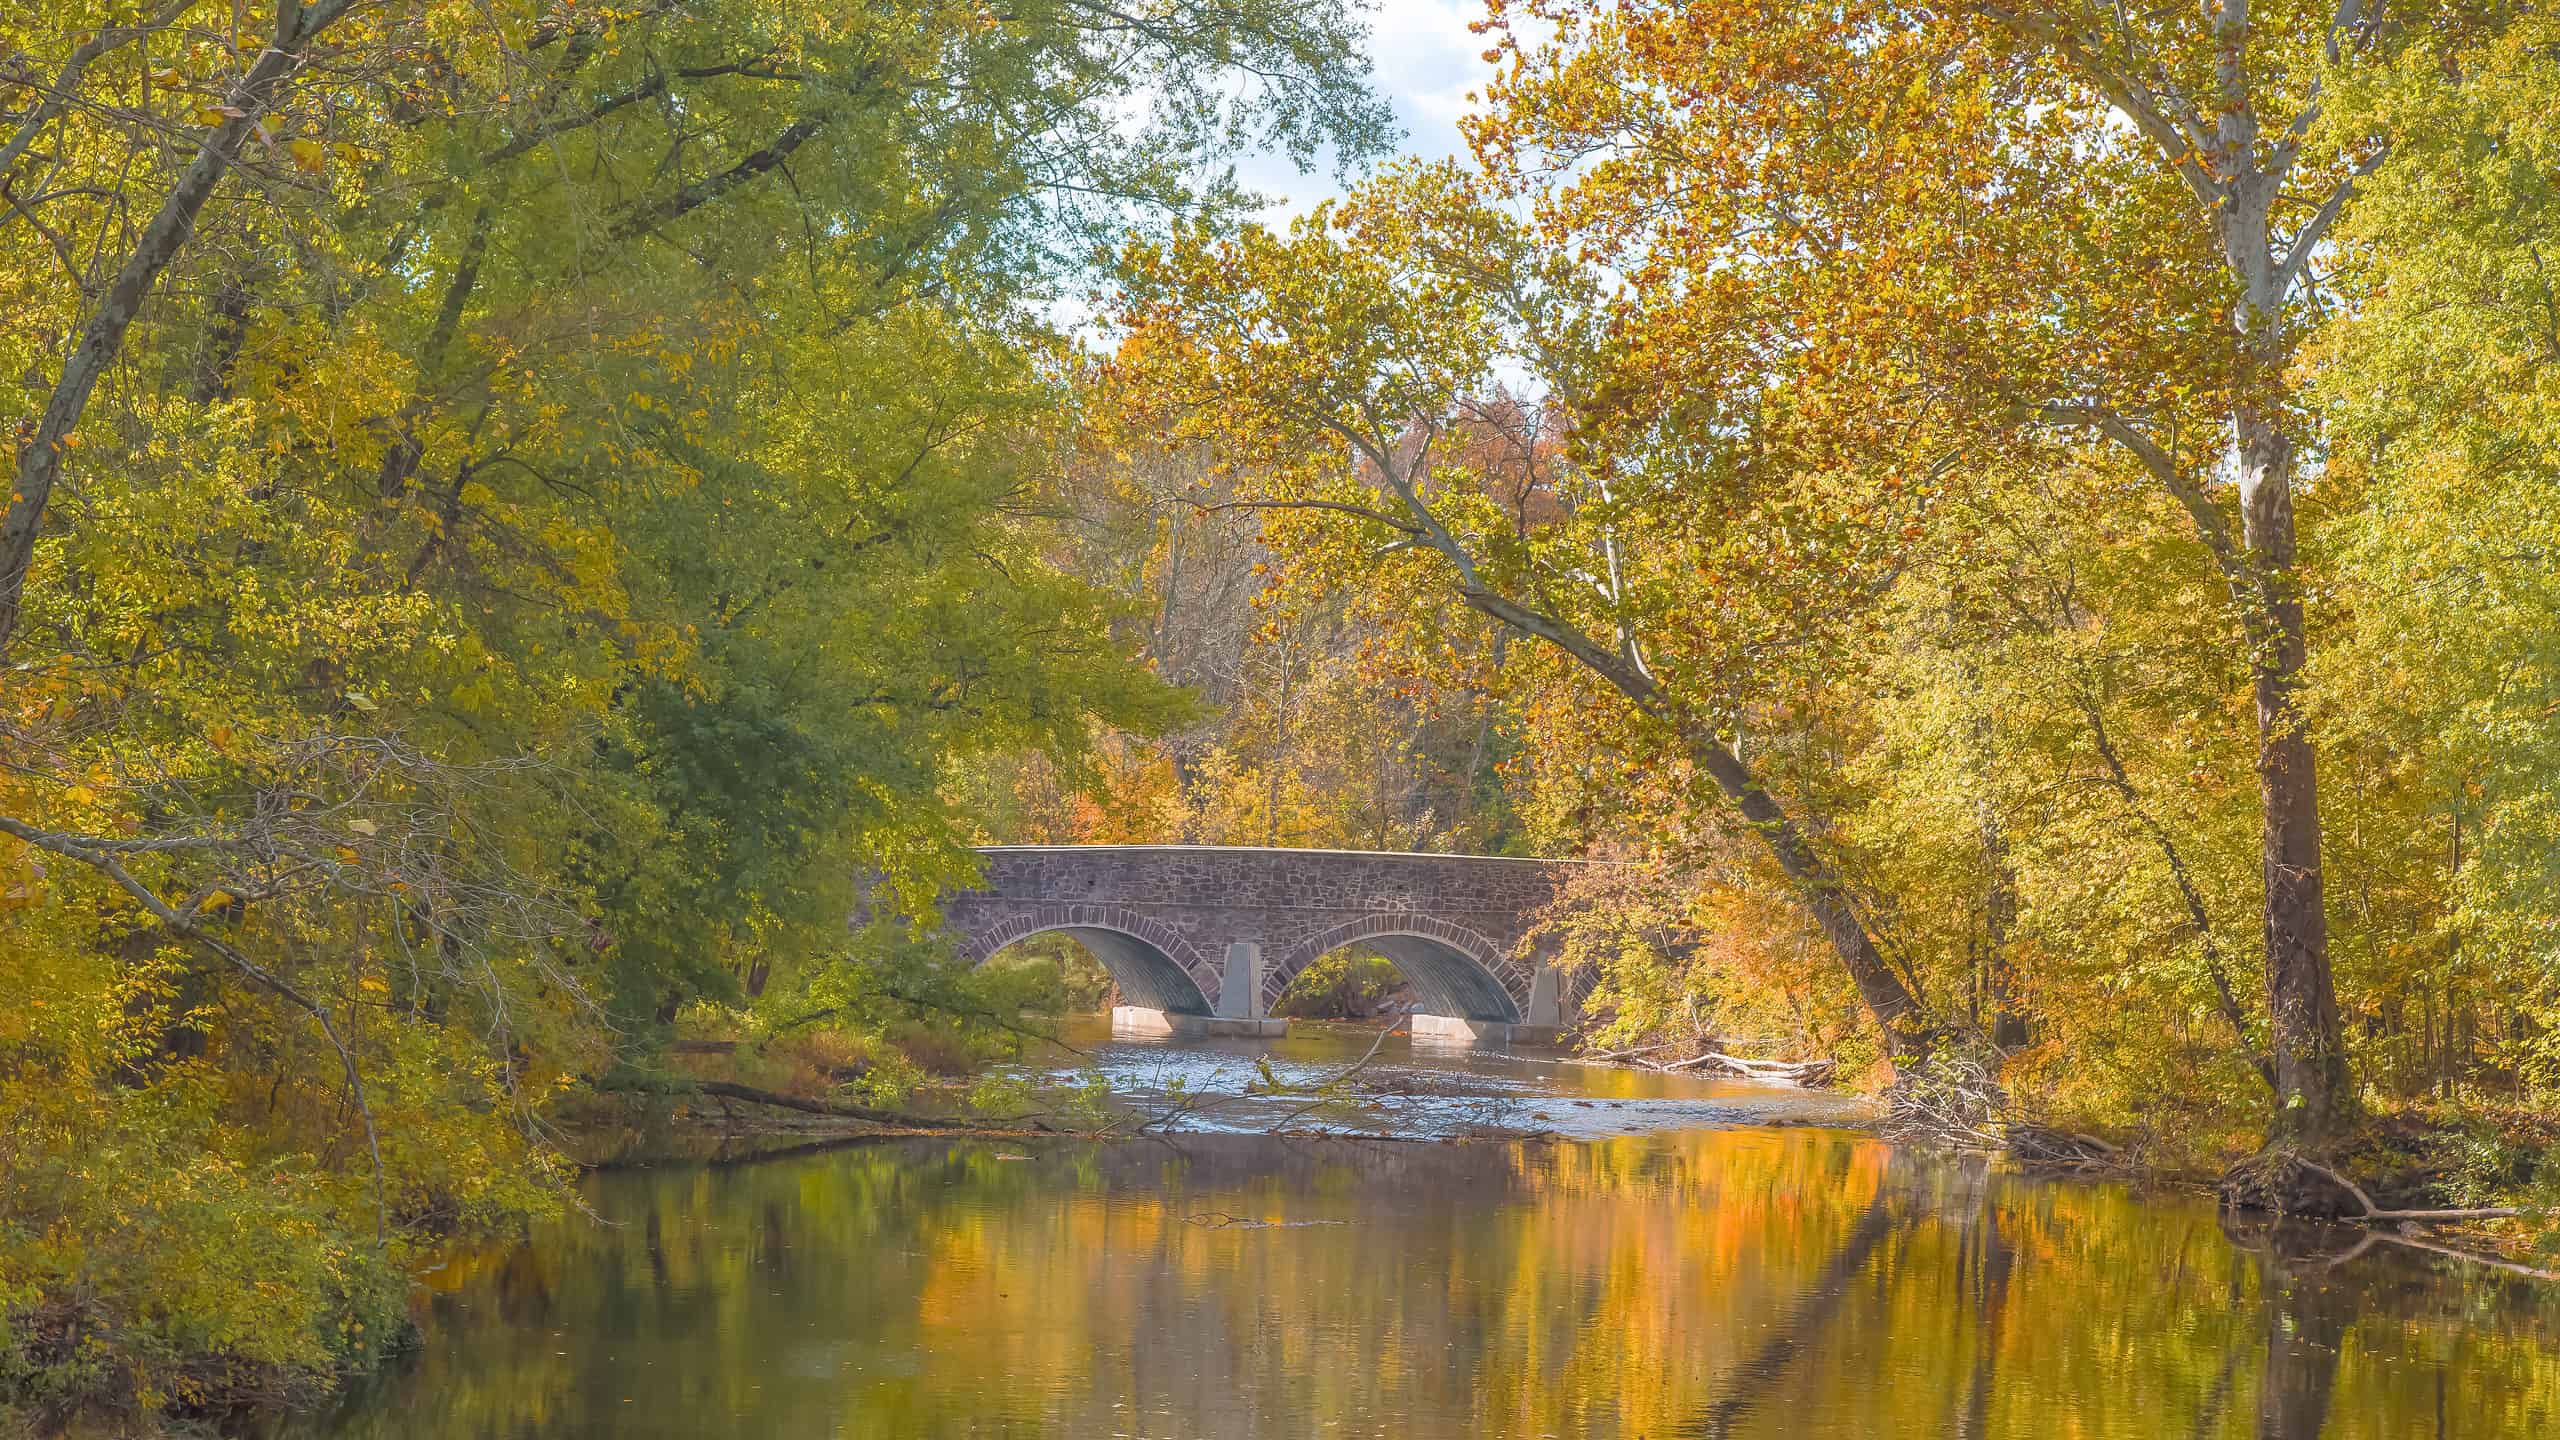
520	512
1956	474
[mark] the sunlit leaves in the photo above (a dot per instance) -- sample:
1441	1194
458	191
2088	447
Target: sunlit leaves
561	517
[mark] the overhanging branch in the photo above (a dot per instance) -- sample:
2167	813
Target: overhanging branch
2210	525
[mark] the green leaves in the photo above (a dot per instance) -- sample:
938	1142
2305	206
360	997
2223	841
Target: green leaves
569	504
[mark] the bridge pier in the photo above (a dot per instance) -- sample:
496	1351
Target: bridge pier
1547	1005
1542	1021
1458	1032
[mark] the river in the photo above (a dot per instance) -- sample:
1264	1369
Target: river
1685	1257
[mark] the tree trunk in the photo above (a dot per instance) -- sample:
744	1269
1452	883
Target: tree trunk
1484	722
1172	595
1895	1009
2314	1099
2314	1096
2009	1028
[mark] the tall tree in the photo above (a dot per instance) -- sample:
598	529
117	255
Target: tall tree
2085	217
1351	361
2264	98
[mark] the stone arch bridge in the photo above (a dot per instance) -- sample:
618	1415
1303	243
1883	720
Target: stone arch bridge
1203	938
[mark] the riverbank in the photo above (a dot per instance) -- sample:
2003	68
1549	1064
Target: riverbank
2470	1185
2482	1181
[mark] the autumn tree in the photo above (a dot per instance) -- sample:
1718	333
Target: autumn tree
516	506
1322	719
2083	218
2434	387
1349	359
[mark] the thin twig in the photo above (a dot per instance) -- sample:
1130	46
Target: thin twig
1322	1097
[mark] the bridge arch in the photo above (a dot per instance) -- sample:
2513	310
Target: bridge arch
1453	970
1153	966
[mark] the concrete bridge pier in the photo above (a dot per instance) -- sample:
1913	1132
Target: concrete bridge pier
1542	1021
1240	1011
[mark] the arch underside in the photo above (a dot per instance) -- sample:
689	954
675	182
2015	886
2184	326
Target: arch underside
1454	972
1446	979
1147	973
1146	976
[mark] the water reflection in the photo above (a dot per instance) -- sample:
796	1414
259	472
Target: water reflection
1722	1283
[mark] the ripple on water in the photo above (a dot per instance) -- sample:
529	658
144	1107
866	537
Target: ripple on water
1219	1087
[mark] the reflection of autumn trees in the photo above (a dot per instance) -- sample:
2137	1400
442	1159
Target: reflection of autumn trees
1743	1283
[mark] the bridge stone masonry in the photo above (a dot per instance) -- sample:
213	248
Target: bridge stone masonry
1202	939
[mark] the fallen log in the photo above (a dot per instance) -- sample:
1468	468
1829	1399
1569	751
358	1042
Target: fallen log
731	1090
1792	1072
2375	1212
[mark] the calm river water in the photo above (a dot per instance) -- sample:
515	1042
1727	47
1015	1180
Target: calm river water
1693	1259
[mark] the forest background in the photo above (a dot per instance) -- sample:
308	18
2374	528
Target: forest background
2029	528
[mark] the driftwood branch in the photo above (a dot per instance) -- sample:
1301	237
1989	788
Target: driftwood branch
1324	1090
1811	1073
2375	1212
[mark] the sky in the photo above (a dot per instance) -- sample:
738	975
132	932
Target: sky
1421	58
1424	61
